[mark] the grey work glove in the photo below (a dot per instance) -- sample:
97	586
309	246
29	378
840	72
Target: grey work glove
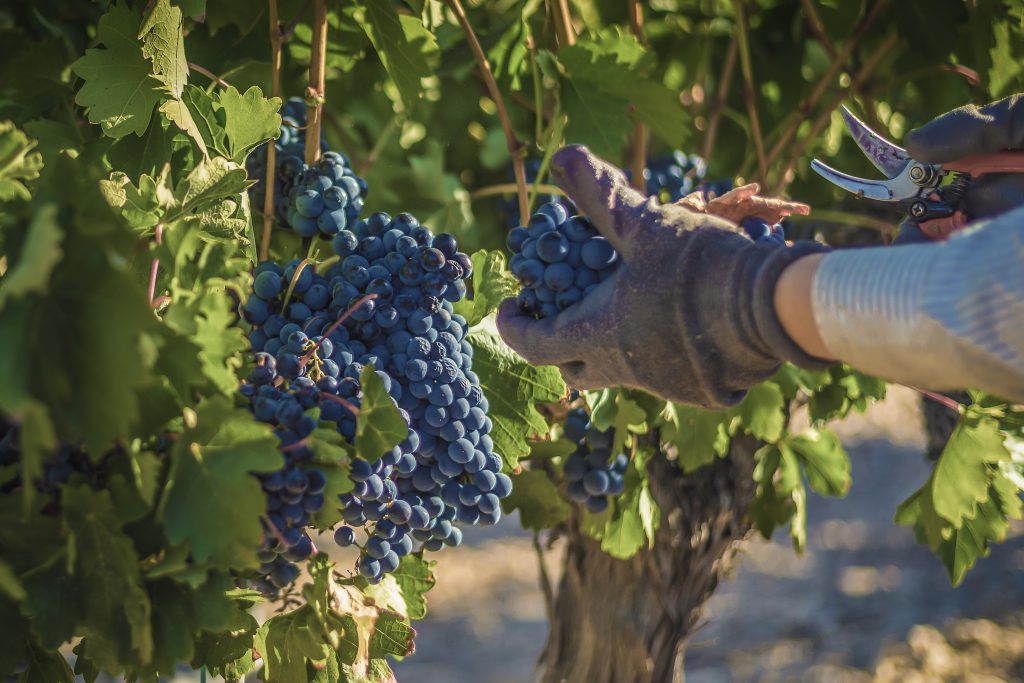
969	130
688	314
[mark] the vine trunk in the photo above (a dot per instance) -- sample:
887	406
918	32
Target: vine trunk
627	621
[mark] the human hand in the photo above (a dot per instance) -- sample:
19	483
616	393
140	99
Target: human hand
687	315
969	130
744	202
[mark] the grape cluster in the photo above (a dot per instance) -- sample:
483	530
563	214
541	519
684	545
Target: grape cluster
325	198
392	291
593	475
673	176
763	232
509	206
58	467
558	260
290	148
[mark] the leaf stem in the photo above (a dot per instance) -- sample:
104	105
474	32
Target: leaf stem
941	399
724	82
270	180
209	74
639	146
338	399
805	108
155	266
748	89
315	90
515	148
563	22
818	28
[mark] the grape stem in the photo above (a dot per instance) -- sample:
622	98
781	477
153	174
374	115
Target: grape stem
941	399
315	90
515	148
348	405
722	94
209	74
337	323
639	163
804	109
818	28
563	22
271	170
155	267
275	531
748	90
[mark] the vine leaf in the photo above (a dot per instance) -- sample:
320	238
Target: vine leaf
611	82
164	45
116	608
210	479
31	269
699	435
232	123
492	284
408	51
779	495
825	461
513	387
964	505
120	91
536	497
379	425
18	163
762	413
46	667
633	518
414	578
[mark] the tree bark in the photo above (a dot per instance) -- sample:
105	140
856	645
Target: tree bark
627	621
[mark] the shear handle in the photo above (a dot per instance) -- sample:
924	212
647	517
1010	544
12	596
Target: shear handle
980	164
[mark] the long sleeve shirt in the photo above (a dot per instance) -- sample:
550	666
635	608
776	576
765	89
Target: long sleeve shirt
944	315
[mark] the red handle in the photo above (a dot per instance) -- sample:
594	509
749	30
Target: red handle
980	164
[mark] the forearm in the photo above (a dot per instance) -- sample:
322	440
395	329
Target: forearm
943	316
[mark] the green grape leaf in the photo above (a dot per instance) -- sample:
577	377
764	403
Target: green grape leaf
509	55
825	461
10	585
164	45
779	495
633	518
414	578
698	435
38	440
392	636
762	412
143	206
210	479
492	284
379	425
792	380
962	474
30	270
18	162
178	113
405	47
558	448
115	606
120	91
46	667
234	123
610	83
536	497
513	387
287	641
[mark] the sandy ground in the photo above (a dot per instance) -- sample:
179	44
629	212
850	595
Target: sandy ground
864	604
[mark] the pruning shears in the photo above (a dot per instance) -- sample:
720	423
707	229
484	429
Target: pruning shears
931	193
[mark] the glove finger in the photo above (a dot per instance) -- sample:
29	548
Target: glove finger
601	192
535	340
993	194
969	130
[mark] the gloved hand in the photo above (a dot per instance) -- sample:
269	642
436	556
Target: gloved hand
968	130
689	313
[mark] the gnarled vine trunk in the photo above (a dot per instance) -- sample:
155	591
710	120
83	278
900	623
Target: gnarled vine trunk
627	621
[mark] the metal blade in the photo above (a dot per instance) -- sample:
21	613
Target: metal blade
872	189
886	157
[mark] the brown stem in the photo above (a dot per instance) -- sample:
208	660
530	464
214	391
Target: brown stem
339	400
818	28
639	147
724	81
155	266
515	148
315	91
941	399
803	110
748	89
287	31
797	151
510	188
335	325
209	74
564	31
270	179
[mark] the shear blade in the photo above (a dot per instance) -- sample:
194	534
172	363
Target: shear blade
871	189
886	157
